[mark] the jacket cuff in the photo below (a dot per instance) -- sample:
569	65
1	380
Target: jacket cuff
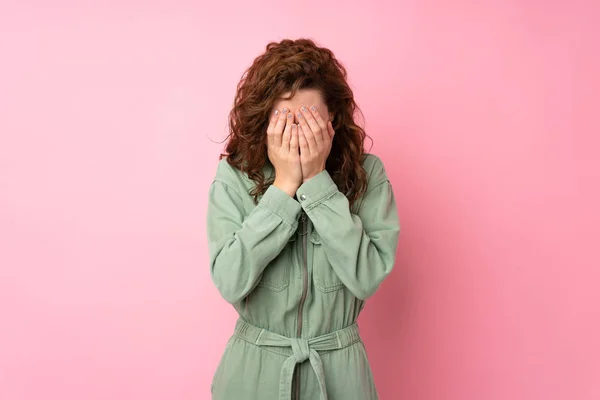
315	190
281	204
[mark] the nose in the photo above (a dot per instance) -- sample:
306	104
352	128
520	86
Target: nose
294	116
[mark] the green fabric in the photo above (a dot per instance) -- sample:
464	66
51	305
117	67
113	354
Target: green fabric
283	277
302	349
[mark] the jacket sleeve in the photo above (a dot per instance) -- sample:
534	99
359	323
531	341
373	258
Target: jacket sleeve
361	248
240	245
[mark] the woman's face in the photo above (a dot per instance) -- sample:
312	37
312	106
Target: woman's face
304	97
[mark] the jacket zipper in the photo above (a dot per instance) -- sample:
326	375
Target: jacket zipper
303	232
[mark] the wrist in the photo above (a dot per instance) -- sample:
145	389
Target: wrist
288	188
312	175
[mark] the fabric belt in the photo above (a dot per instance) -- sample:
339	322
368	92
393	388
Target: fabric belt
302	349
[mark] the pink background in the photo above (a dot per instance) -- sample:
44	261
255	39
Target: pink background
483	113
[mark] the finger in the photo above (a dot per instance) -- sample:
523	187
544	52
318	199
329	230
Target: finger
279	126
310	138
289	121
312	123
285	142
271	127
293	140
322	124
304	149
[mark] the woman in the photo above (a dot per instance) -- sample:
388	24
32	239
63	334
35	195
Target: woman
302	229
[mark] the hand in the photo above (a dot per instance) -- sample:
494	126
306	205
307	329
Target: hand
315	138
282	149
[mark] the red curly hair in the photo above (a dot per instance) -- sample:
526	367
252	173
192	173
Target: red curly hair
289	66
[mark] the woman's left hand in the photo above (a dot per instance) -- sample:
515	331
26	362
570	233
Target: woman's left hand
315	138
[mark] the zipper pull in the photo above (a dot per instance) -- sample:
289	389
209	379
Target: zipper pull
303	224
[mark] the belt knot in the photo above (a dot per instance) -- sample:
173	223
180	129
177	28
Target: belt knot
300	349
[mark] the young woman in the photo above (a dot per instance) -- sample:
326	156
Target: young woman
302	228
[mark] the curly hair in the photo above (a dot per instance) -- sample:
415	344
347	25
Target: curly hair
289	66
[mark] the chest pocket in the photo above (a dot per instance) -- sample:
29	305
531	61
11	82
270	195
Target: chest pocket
276	276
325	278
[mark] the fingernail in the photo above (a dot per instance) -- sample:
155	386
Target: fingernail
276	112
289	116
299	114
304	109
313	108
284	110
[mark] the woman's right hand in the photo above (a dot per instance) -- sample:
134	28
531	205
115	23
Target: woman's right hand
283	151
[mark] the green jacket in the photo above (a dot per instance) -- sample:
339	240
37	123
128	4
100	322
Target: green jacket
300	269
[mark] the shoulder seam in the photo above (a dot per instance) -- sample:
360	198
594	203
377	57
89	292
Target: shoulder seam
228	186
377	185
385	178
